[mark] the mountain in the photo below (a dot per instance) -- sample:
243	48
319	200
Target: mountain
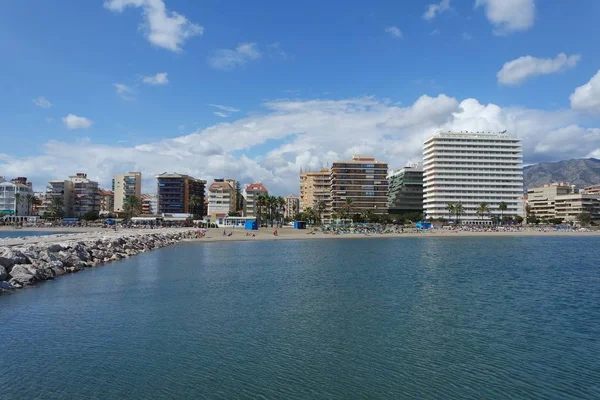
582	172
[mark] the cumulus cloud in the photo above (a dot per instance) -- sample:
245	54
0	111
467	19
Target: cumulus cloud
158	79
163	28
72	121
587	97
434	10
309	134
509	16
42	102
226	59
124	91
527	67
394	31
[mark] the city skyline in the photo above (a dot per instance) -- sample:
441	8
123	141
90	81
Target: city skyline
257	93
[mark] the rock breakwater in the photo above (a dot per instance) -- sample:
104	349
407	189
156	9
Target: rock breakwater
29	264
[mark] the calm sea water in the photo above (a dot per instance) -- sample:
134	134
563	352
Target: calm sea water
423	318
21	233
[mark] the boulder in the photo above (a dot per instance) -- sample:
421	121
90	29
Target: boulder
22	275
55	248
10	257
5	286
3	273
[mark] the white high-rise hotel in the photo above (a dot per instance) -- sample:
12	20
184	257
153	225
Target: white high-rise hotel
472	168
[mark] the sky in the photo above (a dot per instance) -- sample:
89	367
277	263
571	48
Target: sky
257	91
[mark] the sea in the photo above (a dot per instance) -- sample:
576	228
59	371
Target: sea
400	318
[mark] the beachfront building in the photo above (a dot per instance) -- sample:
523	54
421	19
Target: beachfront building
292	206
542	200
570	206
124	186
86	197
315	192
107	201
62	191
405	190
222	198
359	185
593	189
39	207
13	197
149	204
471	169
251	194
180	194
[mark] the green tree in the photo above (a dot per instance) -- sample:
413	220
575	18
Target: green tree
459	210
348	205
90	216
482	210
502	207
260	202
17	203
195	205
238	197
281	203
451	208
518	219
585	218
321	206
132	206
57	207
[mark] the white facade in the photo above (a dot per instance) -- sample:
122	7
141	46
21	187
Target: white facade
221	197
470	169
8	199
124	186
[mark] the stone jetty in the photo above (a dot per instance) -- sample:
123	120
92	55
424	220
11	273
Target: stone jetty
42	258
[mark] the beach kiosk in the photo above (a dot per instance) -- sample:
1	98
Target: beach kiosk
299	224
251	225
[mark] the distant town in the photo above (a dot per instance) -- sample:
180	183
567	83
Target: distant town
467	178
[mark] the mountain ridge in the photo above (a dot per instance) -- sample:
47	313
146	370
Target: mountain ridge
579	172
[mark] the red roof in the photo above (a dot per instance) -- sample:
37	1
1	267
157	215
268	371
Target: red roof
256	187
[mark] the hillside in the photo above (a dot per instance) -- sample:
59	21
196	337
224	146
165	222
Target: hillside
581	172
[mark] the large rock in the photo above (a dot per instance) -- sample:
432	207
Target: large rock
55	248
5	286
3	273
22	275
10	257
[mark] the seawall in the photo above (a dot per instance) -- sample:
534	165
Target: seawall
43	258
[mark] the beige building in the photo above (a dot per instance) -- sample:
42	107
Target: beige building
292	206
315	187
594	189
362	179
86	196
124	186
542	200
107	201
221	198
62	190
570	206
251	193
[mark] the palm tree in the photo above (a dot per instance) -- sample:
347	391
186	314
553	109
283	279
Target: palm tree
132	206
57	206
451	207
321	206
281	206
194	203
502	207
458	210
348	205
482	210
29	200
17	203
259	203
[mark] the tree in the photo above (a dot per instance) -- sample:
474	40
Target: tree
458	210
556	221
482	210
195	204
132	206
585	218
451	208
502	207
238	197
348	205
321	206
281	203
259	203
57	207
17	203
518	219
90	216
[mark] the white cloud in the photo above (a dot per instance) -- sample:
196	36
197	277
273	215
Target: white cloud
163	28
160	78
72	121
123	91
587	97
394	31
309	134
435	9
225	108
42	102
527	67
220	114
226	59
509	16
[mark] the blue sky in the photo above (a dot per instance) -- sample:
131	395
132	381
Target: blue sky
299	84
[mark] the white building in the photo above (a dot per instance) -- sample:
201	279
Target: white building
221	198
470	169
124	186
13	197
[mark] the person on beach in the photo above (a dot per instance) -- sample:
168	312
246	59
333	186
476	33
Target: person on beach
275	232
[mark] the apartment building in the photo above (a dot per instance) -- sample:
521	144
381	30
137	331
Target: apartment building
470	169
86	195
542	200
405	190
124	186
292	206
107	201
149	204
180	194
363	180
251	193
222	198
63	190
593	189
570	206
315	187
13	196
